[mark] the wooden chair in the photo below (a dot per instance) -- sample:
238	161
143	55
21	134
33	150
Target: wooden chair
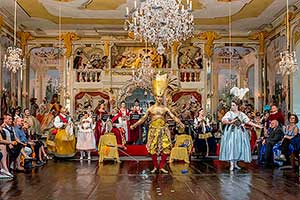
108	148
182	149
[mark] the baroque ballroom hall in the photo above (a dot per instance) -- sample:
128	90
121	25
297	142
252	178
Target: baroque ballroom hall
100	59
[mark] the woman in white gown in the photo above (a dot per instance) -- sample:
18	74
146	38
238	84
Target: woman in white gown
85	139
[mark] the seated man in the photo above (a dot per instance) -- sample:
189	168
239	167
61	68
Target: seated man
20	134
13	144
275	135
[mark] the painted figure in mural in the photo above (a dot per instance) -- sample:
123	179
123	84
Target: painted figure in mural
64	136
159	136
77	60
99	129
85	138
123	120
235	143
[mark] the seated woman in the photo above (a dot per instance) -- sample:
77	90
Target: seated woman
290	131
37	145
64	138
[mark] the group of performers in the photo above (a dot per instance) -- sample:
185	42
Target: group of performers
235	142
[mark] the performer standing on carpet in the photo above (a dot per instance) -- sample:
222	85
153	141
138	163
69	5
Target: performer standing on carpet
85	139
123	120
235	143
99	129
159	137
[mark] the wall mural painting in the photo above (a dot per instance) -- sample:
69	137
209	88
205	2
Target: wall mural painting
89	101
227	79
131	57
90	58
186	104
52	84
275	84
190	57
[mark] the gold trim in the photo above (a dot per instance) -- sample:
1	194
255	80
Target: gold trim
251	10
210	37
260	36
24	37
1	22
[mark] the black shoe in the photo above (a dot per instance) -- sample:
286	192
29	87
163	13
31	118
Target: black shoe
39	163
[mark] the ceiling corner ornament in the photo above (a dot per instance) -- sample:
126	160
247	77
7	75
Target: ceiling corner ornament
260	36
210	37
68	38
13	59
24	37
288	62
161	23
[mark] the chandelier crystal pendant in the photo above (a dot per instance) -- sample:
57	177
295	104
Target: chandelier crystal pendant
160	22
13	60
288	62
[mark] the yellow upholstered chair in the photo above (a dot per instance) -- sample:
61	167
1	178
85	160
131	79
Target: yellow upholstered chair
182	149
108	147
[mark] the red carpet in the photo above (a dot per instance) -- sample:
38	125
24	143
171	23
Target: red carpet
135	150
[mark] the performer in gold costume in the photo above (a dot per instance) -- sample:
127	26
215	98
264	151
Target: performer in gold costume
159	137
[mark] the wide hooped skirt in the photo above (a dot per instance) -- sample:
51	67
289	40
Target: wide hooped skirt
235	145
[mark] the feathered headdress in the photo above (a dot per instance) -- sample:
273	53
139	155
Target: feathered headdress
160	84
239	92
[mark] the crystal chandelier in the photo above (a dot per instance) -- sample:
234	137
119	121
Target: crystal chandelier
160	22
13	59
288	62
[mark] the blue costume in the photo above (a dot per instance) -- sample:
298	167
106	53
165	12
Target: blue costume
235	143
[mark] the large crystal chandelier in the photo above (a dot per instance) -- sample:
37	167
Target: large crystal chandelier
13	59
288	62
160	22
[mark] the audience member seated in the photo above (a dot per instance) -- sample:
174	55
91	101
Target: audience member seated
275	135
290	131
4	172
277	115
38	146
14	145
22	137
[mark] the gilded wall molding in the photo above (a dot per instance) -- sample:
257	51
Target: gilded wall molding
24	37
68	38
210	37
260	36
1	22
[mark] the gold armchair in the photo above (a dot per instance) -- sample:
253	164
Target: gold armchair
108	148
182	149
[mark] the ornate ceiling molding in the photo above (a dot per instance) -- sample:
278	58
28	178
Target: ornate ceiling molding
35	9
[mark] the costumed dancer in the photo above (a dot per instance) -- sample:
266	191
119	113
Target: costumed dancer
123	120
159	137
85	139
99	129
64	138
204	140
235	143
135	110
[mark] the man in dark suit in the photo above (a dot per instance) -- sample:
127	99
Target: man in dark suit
275	135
